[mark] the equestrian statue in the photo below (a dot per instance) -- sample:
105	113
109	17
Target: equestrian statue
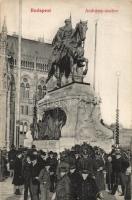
68	52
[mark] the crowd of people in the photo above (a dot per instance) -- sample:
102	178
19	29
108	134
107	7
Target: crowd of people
80	173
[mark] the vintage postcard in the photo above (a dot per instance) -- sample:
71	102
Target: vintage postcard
65	99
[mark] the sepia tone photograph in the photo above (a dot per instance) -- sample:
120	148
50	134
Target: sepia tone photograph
65	100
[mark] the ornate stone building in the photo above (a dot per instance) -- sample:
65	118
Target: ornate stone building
34	68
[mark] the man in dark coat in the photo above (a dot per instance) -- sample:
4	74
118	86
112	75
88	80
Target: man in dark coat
11	158
34	182
86	162
74	176
100	173
42	159
53	167
87	187
77	159
119	167
26	171
18	178
44	179
108	166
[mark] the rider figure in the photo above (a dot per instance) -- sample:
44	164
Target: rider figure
63	35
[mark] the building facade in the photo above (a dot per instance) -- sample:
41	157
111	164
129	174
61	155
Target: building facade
34	69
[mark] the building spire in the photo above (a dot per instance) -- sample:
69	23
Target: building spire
3	37
4	27
70	18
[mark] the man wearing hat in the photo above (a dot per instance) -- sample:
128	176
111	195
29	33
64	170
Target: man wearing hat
87	187
77	159
86	162
11	158
119	167
18	178
53	166
62	163
26	171
63	187
34	182
44	179
74	176
42	159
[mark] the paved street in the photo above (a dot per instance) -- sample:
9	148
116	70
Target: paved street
6	192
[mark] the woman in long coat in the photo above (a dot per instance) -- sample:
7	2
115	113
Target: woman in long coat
18	178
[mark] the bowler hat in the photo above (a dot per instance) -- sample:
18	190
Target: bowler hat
63	169
51	153
42	153
72	166
85	171
76	152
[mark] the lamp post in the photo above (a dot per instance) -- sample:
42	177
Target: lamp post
95	52
17	104
117	112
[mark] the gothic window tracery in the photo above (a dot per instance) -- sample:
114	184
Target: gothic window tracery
25	89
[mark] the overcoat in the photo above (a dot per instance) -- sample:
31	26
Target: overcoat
18	177
87	189
63	188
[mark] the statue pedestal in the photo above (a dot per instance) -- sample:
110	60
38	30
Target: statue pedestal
47	145
55	145
66	143
83	115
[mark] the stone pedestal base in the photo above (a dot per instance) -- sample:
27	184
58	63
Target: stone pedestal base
83	116
55	145
47	145
66	143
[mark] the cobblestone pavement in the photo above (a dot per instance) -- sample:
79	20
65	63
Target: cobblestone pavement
7	193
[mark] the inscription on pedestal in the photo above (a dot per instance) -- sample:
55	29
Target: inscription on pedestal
47	145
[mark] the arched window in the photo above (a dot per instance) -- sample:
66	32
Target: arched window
26	110
44	90
25	128
22	89
22	109
25	87
39	92
27	90
21	127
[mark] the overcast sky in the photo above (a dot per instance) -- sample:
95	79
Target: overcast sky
114	42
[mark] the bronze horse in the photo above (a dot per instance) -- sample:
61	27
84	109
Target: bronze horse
70	53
